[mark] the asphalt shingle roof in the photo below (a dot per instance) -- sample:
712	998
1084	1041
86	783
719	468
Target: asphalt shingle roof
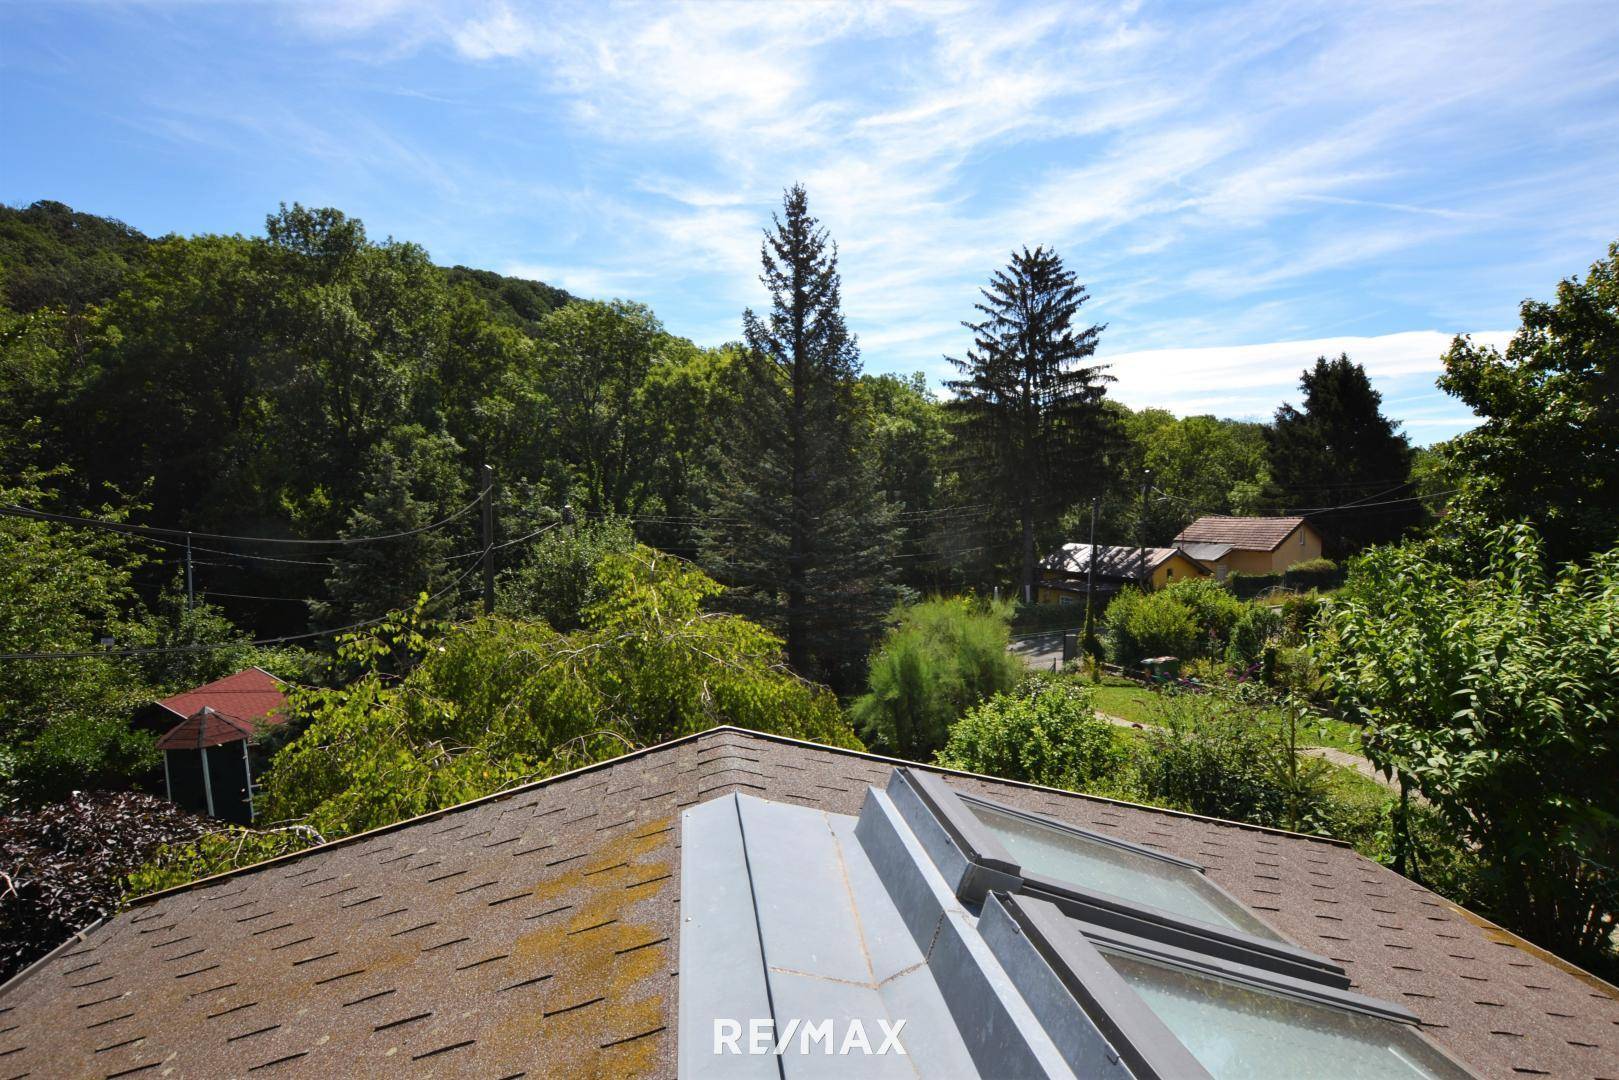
1244	533
252	694
536	933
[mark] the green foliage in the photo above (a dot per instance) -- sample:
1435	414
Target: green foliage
1340	449
1213	608
1206	754
1252	631
1044	732
1028	402
1496	696
63	723
213	853
1142	624
940	658
558	578
798	524
1548	449
497	702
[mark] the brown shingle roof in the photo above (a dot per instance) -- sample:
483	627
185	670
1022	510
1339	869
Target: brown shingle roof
1244	533
537	932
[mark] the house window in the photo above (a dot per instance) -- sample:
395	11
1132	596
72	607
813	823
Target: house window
1182	977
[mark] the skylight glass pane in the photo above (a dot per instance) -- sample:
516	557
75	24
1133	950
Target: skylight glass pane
1235	1031
1050	852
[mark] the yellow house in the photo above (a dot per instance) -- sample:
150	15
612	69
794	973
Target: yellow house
1249	545
1065	573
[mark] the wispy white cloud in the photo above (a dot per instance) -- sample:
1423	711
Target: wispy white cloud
1244	172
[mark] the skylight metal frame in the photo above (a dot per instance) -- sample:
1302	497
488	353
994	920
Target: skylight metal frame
1074	950
979	846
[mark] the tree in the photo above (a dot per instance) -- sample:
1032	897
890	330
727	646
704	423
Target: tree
939	659
1340	450
412	481
1548	449
597	358
798	524
1030	407
1496	695
909	442
499	701
557	581
64	723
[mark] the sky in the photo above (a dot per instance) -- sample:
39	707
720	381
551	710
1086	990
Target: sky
1241	186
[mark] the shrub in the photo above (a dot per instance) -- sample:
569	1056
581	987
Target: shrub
939	659
77	750
1210	755
1141	624
64	865
1249	635
1045	732
1213	608
1318	565
216	853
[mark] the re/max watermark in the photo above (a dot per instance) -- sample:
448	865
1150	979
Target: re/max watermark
806	1037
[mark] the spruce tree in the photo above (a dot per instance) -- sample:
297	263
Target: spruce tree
798	527
1340	460
1032	426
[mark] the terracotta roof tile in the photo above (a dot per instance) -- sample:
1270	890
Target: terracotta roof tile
537	932
1243	533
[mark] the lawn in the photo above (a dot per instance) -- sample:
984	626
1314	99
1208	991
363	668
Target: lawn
1137	704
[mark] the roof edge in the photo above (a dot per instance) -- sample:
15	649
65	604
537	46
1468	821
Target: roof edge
867	755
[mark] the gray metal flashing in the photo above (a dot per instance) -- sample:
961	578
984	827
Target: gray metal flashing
973	862
722	971
1144	1043
1054	1005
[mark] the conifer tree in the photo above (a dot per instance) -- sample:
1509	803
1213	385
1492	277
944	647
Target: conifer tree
798	527
1032	426
1341	461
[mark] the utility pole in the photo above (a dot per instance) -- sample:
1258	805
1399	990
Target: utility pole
191	595
488	539
1141	526
1090	579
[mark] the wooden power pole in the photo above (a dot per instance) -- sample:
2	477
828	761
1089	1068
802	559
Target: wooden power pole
488	539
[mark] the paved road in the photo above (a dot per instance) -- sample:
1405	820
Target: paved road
1041	652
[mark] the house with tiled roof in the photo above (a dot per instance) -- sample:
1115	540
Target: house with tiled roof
210	744
1249	545
739	904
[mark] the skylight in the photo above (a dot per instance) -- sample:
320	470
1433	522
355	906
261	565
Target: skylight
1068	857
1236	1030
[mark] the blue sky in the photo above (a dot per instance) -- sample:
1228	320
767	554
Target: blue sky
1242	186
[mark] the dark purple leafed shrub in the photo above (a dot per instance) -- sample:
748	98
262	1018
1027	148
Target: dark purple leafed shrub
63	866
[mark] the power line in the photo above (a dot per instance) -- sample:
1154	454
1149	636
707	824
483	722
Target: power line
153	532
164	650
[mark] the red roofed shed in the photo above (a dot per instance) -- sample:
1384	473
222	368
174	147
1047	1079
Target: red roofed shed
203	768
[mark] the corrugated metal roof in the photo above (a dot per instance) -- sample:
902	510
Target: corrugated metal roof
1247	533
1114	561
1206	552
536	932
